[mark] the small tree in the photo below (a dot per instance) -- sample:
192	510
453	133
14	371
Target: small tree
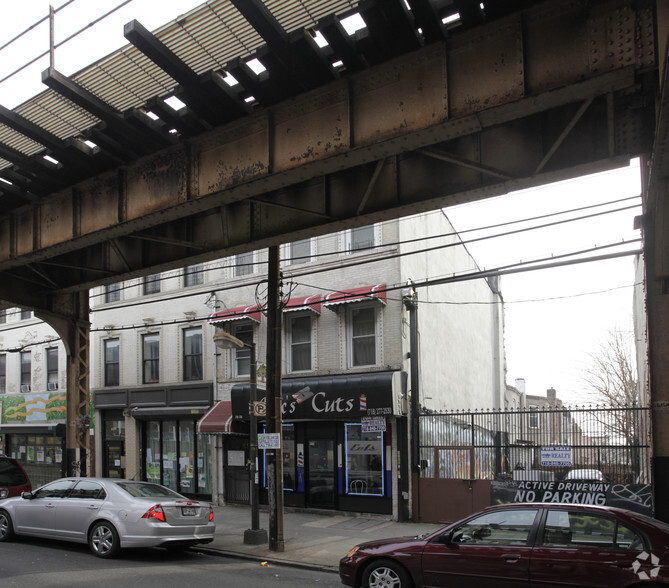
613	383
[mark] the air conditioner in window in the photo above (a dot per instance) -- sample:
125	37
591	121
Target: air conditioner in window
52	386
25	387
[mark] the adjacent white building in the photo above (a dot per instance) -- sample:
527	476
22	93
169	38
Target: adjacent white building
172	407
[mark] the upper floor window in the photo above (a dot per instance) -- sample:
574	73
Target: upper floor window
26	366
52	368
3	373
111	362
244	264
194	275
113	292
26	314
362	335
534	416
362	238
299	342
299	252
192	354
243	332
3	316
152	284
151	358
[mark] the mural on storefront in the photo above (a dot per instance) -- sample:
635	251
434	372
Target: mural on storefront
34	408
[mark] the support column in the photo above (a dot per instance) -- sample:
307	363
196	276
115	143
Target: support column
70	319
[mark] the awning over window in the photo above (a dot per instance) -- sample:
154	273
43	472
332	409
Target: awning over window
235	314
218	419
25	428
377	292
312	303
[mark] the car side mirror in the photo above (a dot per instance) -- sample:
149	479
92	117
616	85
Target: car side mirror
27	495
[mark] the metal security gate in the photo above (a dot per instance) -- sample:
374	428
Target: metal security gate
465	454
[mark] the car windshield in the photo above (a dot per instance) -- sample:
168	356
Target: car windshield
11	474
139	489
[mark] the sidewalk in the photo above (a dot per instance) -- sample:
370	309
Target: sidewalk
312	540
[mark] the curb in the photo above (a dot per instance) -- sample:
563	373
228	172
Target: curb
269	560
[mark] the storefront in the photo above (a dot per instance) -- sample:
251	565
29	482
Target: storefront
163	421
340	440
32	429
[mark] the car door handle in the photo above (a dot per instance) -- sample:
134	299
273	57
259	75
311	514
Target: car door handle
511	557
93	506
50	505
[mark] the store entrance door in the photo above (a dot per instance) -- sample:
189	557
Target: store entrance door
114	459
320	482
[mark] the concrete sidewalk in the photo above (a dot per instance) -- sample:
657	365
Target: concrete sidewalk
316	540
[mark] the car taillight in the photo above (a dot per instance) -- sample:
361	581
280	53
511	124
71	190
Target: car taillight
155	512
211	513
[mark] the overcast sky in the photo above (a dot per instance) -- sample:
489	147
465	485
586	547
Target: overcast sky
555	319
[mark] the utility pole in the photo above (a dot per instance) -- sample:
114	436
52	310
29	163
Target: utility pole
274	401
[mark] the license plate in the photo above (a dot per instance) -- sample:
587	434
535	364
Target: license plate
188	511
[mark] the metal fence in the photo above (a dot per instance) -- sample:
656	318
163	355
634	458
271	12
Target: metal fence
544	444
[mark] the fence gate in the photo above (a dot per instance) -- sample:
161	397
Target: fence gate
470	460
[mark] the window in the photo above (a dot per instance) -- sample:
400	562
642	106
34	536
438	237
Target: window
111	362
26	314
503	527
362	238
151	358
244	264
58	489
52	368
534	416
194	275
288	452
362	328
299	252
3	316
113	292
193	354
152	284
580	530
3	373
299	332
25	370
88	491
243	354
364	461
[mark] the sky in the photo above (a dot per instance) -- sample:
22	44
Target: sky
555	320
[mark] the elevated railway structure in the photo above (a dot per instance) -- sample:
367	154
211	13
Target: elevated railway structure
429	104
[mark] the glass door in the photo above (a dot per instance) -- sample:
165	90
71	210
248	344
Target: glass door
153	451
321	473
187	457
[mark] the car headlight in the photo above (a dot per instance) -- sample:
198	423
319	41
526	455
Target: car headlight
350	553
4	492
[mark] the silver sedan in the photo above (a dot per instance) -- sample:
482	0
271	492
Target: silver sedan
108	514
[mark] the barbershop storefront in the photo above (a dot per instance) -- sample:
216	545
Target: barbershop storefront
340	440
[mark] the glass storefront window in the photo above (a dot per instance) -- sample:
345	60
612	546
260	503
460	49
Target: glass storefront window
364	461
153	451
187	457
170	461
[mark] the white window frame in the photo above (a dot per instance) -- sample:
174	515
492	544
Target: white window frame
533	416
235	266
193	272
288	320
378	353
234	328
347	244
288	252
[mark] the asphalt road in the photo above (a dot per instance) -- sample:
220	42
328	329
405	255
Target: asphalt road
42	564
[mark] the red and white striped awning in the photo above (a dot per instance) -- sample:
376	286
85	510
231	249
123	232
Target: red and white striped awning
235	314
376	293
312	303
218	419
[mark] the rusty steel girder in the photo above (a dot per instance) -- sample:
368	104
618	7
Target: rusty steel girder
556	91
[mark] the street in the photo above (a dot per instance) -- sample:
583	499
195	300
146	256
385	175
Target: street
44	564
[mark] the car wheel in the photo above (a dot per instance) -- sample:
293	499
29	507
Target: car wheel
387	574
103	540
6	528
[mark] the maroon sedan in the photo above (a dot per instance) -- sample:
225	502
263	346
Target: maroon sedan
539	545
